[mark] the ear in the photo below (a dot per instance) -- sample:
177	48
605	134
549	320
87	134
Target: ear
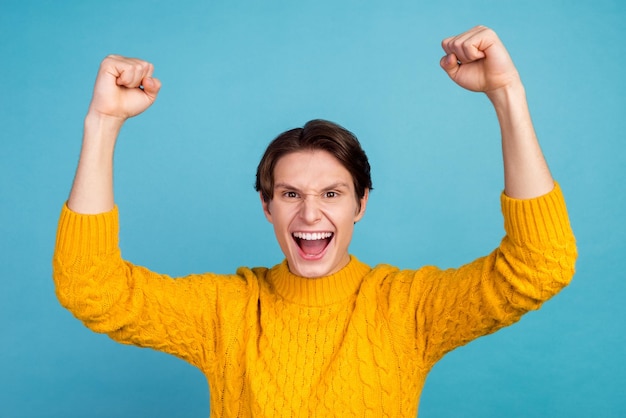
363	204
266	208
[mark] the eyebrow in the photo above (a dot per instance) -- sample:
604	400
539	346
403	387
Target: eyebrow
332	186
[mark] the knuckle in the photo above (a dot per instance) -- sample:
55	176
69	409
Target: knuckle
109	59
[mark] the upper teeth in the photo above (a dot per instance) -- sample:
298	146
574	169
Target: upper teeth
309	236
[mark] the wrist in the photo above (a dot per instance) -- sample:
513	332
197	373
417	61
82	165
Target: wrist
95	122
101	131
508	95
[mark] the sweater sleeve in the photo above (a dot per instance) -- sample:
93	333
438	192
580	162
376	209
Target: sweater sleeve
534	261
130	303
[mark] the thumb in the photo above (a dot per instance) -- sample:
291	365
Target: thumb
450	64
151	86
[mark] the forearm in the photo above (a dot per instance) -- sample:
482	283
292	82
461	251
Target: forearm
92	191
526	173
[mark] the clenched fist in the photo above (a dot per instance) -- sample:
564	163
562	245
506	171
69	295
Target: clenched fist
478	61
124	87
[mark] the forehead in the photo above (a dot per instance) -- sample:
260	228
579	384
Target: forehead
310	169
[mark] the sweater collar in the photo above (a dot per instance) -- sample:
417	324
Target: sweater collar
318	291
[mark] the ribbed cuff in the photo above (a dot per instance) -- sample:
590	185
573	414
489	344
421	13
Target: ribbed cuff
536	220
79	235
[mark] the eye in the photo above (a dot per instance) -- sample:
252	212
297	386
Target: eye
330	194
290	195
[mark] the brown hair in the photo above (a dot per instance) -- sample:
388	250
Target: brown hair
316	135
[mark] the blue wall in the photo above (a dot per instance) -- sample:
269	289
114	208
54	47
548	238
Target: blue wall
235	73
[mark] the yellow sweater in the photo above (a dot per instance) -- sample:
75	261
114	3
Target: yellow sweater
358	343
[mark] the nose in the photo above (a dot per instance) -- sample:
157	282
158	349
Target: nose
310	210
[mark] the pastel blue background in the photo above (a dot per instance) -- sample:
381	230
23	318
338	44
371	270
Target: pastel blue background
235	74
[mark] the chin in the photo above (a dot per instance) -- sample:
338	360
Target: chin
314	269
313	273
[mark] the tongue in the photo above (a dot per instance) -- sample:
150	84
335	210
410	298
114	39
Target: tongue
313	247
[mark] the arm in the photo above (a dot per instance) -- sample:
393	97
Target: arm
109	295
536	258
117	96
477	60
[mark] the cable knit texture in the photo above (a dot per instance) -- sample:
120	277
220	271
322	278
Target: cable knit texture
358	343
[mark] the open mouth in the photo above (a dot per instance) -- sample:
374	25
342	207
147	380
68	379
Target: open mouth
312	244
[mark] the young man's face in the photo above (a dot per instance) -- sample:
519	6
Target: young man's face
313	210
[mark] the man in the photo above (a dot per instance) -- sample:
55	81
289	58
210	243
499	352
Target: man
320	334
